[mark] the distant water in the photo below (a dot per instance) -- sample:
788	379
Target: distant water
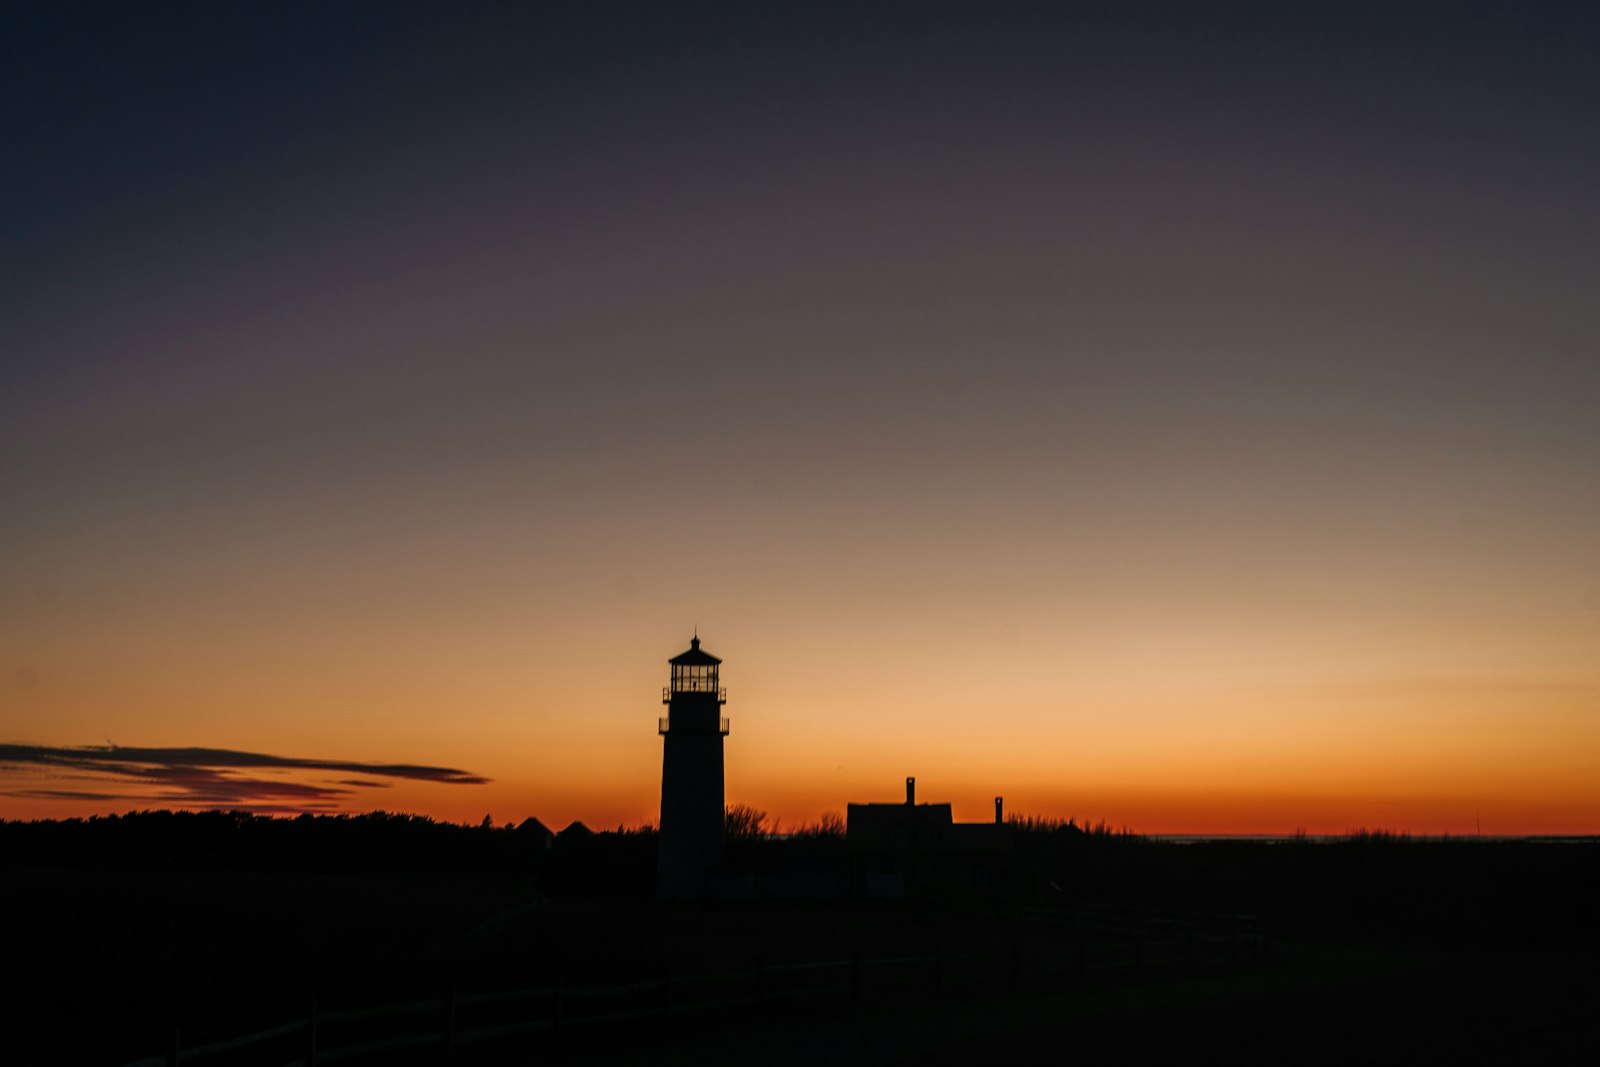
1285	839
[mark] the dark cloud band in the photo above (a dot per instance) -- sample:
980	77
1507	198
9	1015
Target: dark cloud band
207	776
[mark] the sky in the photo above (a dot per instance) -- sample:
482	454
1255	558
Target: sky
1176	415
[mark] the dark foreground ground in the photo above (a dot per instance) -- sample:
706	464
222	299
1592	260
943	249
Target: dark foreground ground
1377	950
1309	1002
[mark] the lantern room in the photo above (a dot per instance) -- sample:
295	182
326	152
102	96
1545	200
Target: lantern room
694	671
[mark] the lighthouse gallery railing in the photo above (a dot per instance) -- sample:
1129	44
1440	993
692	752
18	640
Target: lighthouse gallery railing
665	723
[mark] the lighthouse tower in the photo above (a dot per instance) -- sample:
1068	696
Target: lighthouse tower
691	775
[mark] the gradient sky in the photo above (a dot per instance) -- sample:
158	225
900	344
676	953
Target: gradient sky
1183	415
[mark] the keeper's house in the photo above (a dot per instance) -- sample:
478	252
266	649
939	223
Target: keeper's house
914	851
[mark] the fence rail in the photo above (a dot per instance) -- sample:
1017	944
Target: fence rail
1096	956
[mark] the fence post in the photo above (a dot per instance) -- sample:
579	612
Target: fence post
666	989
175	1047
311	1033
938	971
855	977
1016	967
1083	963
561	997
449	1020
1138	956
761	982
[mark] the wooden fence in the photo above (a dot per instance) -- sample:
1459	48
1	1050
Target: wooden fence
456	1020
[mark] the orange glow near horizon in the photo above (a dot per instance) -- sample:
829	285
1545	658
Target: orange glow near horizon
1275	757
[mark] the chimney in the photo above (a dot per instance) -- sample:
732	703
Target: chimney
911	790
999	811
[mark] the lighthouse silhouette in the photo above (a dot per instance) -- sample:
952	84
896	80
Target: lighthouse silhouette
692	818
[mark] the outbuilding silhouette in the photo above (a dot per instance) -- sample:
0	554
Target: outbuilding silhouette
917	851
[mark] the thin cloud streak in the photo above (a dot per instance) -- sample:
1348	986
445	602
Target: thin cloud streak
190	777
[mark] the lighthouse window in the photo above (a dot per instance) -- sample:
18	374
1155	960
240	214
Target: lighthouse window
702	679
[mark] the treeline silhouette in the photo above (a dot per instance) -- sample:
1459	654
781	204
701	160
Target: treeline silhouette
368	843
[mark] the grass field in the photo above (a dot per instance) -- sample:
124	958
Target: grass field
1310	1002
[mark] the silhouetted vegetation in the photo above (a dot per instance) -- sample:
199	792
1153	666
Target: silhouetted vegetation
831	824
1036	825
745	823
377	841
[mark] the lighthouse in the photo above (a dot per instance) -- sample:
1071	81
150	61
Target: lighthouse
692	817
